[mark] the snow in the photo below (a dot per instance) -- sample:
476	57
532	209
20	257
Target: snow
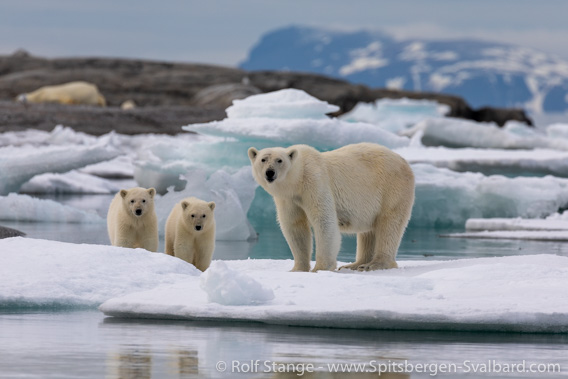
25	208
515	294
73	182
227	286
49	274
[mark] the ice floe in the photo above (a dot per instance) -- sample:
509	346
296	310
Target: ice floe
529	235
286	122
16	207
49	274
520	294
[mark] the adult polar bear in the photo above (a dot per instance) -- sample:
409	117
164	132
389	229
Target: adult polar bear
362	188
77	93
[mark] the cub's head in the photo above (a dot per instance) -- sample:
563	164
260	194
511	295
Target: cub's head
138	201
198	214
270	166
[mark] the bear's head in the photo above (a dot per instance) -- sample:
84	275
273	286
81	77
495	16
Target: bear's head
138	201
198	214
271	165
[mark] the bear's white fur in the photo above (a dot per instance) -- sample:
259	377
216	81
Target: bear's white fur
69	93
190	232
363	188
131	219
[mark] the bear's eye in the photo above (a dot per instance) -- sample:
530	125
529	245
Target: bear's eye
279	161
192	216
204	216
263	160
131	201
144	200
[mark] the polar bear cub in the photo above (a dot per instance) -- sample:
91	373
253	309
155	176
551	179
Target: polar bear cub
190	232
363	188
131	219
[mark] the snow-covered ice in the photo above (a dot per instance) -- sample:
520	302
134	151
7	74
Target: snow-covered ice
293	117
551	223
395	115
15	207
529	235
72	182
48	274
457	133
520	294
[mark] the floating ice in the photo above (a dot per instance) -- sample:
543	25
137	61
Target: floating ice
71	182
226	286
395	115
529	235
279	117
484	294
25	208
285	103
491	161
448	198
453	132
232	194
553	223
39	273
20	164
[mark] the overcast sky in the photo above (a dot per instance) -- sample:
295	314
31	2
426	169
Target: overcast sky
223	31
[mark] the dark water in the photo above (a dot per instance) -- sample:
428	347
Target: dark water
85	344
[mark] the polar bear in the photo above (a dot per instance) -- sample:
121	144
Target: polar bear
190	232
69	93
362	188
132	220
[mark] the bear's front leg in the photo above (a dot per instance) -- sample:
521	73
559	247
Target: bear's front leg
296	230
184	250
323	218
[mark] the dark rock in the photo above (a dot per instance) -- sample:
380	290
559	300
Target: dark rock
170	95
9	232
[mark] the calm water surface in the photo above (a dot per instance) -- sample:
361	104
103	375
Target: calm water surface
85	344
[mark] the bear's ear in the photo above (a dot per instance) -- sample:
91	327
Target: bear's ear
252	152
152	191
211	205
292	154
184	205
123	193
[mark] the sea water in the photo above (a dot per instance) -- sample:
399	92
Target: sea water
85	344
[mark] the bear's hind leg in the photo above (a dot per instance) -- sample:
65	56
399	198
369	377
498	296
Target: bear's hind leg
389	231
365	250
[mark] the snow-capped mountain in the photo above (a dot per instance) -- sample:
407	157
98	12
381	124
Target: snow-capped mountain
484	73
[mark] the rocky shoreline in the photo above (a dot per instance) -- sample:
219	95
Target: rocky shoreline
170	95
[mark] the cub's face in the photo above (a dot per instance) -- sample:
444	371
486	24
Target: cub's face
138	201
270	166
198	215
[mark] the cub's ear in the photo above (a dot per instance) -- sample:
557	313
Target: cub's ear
184	205
152	191
252	152
211	205
123	193
293	153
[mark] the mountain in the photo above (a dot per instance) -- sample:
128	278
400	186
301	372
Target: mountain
484	73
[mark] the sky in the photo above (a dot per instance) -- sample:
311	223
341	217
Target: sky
222	32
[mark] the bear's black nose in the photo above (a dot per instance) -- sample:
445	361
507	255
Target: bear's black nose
270	175
197	227
138	212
